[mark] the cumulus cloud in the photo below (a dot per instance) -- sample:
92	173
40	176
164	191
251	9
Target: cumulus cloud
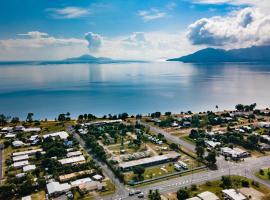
241	28
152	14
67	12
94	41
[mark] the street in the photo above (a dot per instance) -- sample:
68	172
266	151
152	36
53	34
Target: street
245	168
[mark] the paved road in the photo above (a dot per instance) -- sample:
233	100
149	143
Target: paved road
121	189
169	137
246	168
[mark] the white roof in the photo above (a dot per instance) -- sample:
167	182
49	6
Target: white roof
132	163
74	153
19	158
80	181
97	177
29	167
32	129
62	134
27	198
29	152
17	143
7	129
20	163
53	187
72	160
10	135
234	195
208	196
212	143
20	175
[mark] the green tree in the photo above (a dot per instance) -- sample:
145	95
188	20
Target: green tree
182	194
29	117
154	195
226	181
211	158
199	151
139	171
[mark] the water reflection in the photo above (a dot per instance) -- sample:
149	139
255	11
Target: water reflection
135	88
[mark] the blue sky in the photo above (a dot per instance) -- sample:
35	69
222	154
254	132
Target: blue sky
62	28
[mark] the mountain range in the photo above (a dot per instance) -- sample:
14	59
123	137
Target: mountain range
75	60
251	54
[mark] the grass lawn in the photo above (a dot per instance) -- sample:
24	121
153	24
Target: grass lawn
110	188
188	139
38	196
263	175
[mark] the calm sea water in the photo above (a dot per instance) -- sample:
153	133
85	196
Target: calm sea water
47	90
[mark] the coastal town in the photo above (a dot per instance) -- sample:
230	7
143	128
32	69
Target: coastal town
171	156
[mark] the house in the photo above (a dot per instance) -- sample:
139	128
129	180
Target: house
20	164
174	124
29	168
7	129
18	128
207	196
31	129
234	153
29	152
160	159
20	158
74	153
186	124
62	134
264	147
27	198
70	176
80	181
93	185
17	143
232	194
71	160
10	135
97	177
212	144
55	188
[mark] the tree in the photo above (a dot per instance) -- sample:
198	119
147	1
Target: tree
3	120
154	195
239	107
15	120
199	151
182	194
29	117
174	146
211	158
226	182
139	171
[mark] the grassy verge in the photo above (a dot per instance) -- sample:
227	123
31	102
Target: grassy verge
263	174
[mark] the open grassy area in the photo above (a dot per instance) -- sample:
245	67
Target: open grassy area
110	188
188	139
39	195
263	174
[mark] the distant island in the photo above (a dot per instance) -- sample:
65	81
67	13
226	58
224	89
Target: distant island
75	60
208	55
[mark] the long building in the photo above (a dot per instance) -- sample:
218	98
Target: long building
171	156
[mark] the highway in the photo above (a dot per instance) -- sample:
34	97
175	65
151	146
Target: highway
245	168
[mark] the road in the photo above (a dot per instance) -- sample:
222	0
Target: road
245	168
121	189
170	137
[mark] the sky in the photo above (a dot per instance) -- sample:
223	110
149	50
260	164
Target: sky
128	29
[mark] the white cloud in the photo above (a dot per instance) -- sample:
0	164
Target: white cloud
94	41
40	46
68	12
138	45
241	28
152	14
